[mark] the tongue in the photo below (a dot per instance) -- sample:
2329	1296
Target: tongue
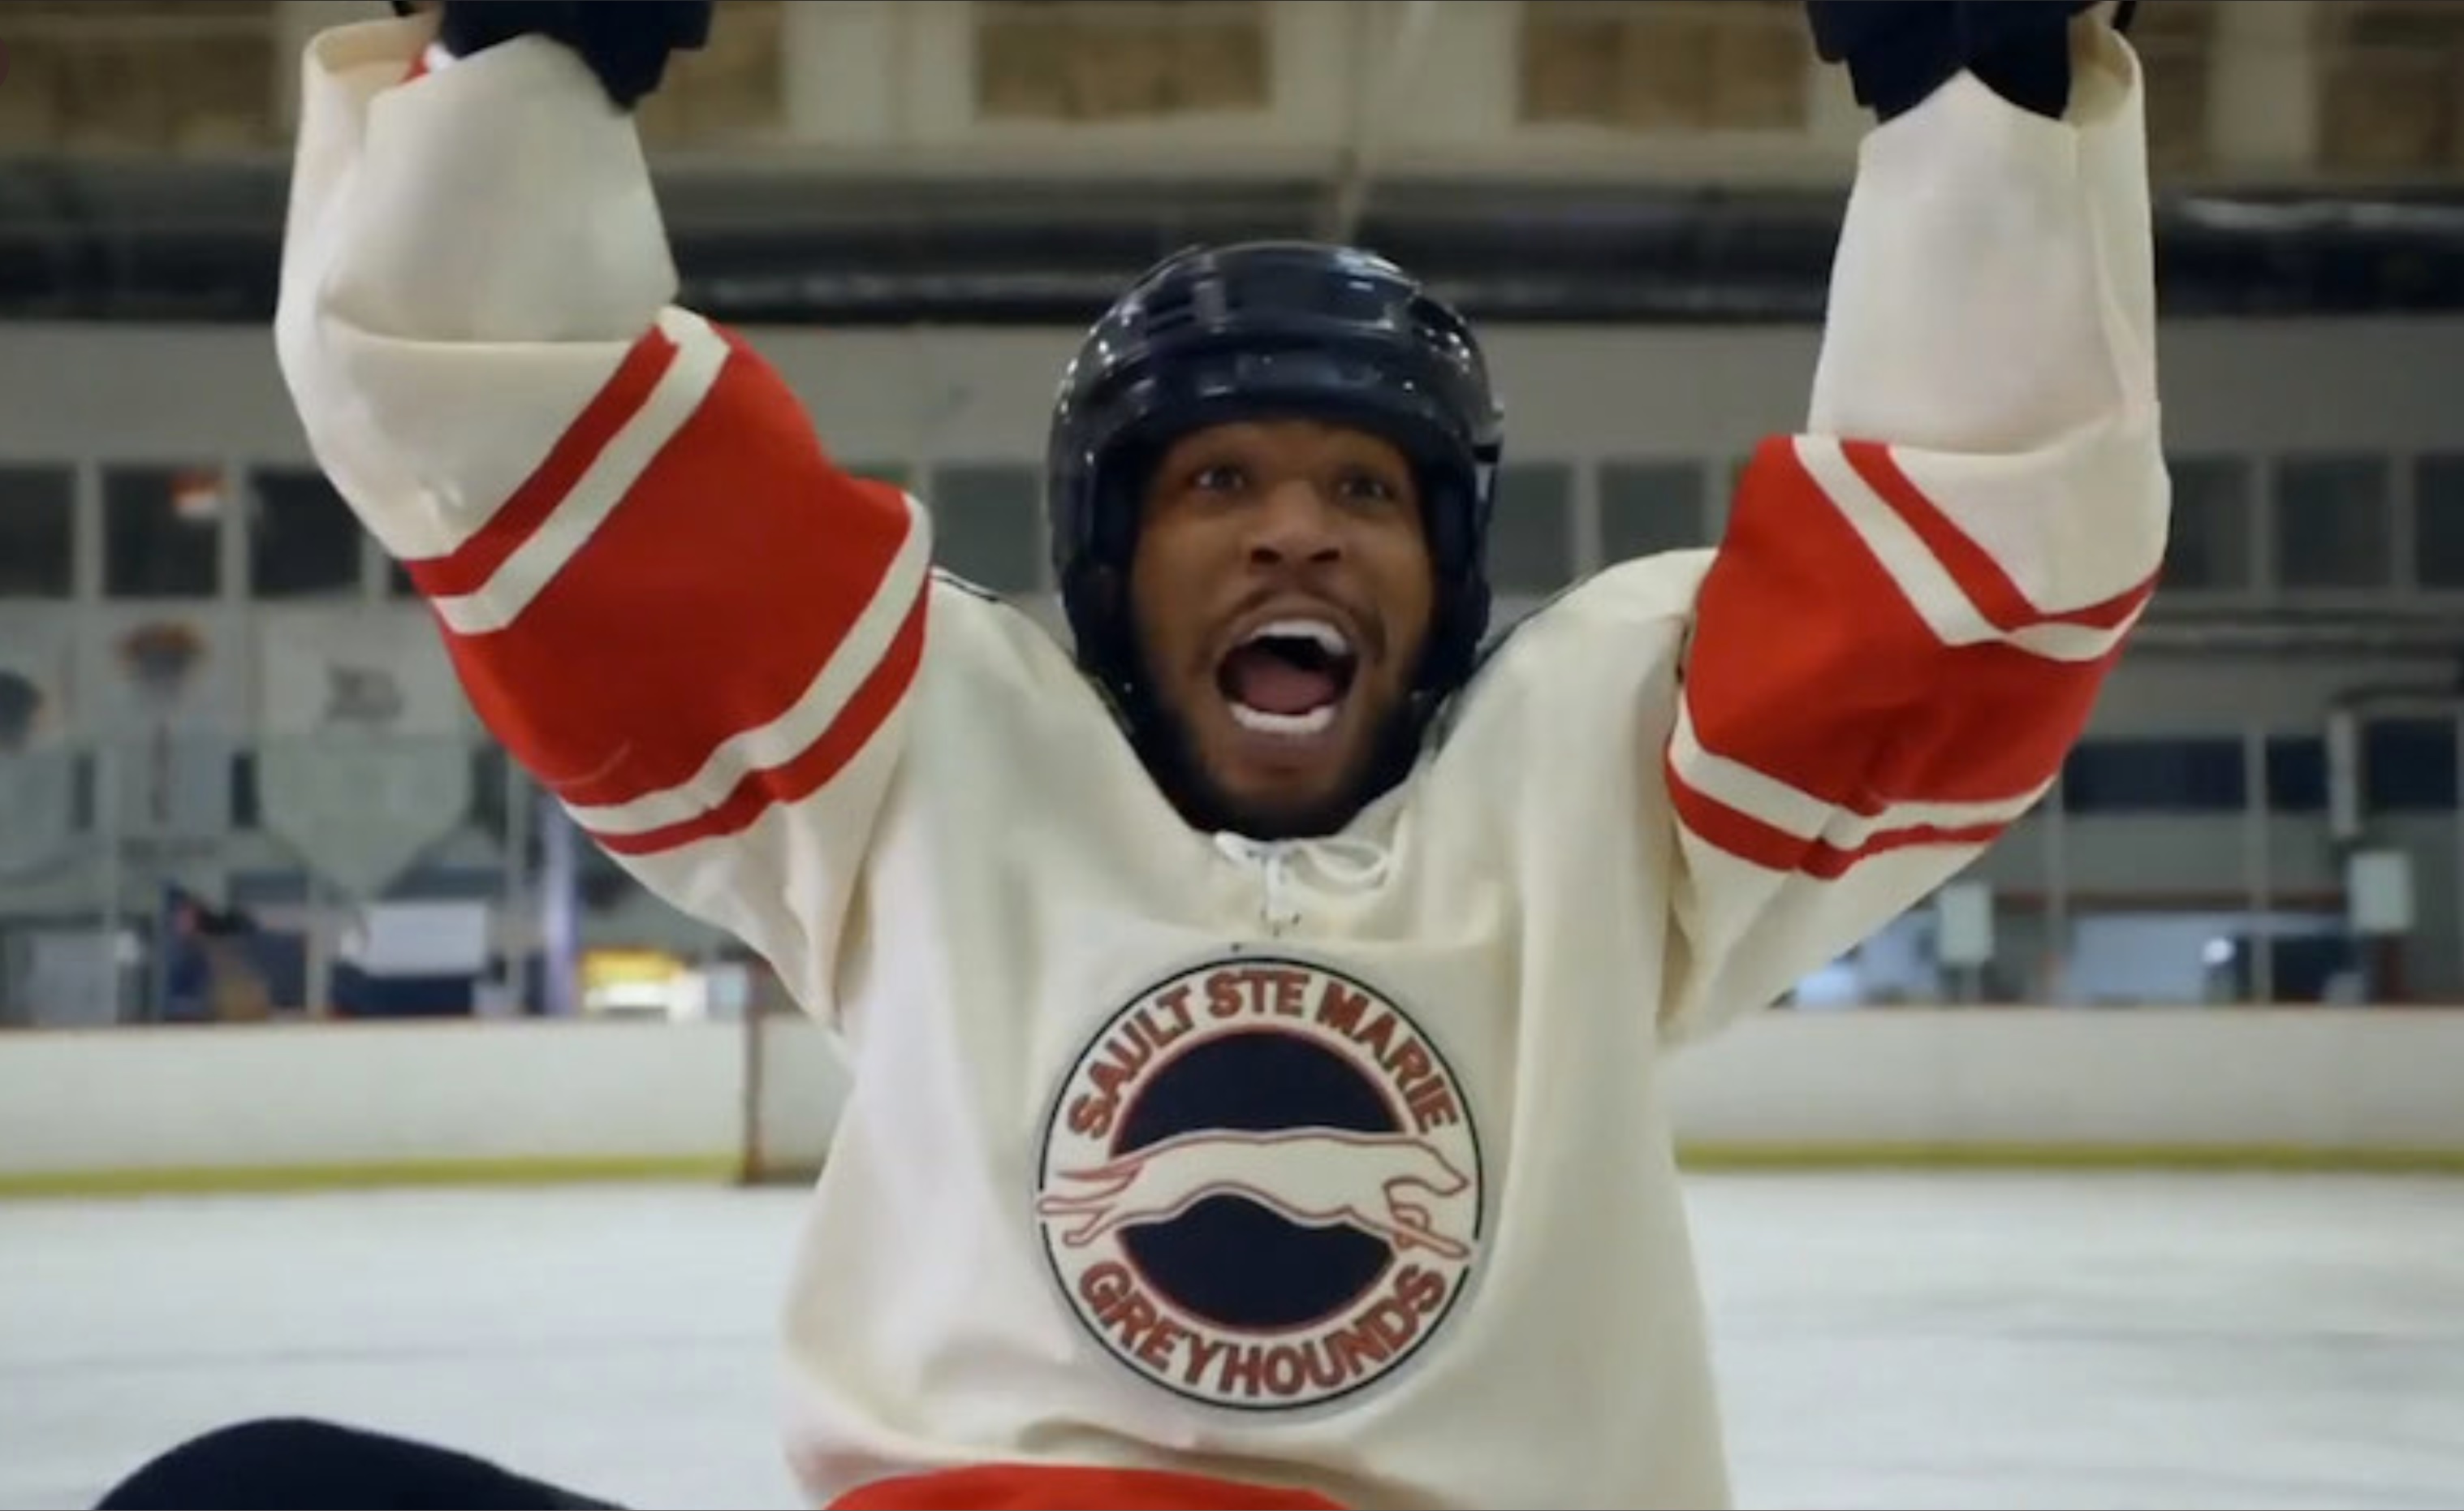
1271	684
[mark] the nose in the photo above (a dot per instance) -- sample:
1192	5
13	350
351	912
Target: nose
1293	522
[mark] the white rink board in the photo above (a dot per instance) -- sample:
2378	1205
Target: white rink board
2086	1082
367	1102
198	1108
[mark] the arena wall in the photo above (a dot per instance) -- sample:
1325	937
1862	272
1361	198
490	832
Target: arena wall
190	1109
349	1104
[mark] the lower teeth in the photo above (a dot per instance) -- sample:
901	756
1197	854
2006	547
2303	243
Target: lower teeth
1259	721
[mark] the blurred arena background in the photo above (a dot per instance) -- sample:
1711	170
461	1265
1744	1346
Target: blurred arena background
276	914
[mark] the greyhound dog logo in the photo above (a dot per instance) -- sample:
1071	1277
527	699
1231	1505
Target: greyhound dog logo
1260	1186
1316	1177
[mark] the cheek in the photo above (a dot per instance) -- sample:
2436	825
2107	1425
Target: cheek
1160	605
1141	592
1411	598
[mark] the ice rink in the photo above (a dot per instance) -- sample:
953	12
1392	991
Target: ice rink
1955	1341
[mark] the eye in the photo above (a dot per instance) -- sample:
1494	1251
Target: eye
1219	477
1362	485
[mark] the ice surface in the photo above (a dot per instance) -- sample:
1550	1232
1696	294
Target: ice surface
1955	1341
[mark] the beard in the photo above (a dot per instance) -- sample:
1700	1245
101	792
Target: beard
1169	751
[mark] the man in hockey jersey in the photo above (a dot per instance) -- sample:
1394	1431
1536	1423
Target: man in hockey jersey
1254	1014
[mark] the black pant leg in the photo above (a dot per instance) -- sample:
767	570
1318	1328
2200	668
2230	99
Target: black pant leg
302	1465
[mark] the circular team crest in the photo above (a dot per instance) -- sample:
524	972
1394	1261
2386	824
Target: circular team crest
1260	1185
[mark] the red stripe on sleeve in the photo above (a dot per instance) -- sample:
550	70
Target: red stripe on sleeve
1749	838
1970	565
1810	666
470	566
800	778
703	607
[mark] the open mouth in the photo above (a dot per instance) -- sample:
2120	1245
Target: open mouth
1288	678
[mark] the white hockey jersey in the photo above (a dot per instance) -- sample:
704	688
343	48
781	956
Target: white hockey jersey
1340	1166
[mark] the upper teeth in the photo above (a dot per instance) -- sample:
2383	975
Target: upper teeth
1318	631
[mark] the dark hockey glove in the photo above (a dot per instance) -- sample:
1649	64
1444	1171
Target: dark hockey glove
1898	52
626	42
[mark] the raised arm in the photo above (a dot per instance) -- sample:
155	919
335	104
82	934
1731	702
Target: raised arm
660	593
1918	596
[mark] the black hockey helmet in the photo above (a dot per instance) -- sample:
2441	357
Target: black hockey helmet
1215	335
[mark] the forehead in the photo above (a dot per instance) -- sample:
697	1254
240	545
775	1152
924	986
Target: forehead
1295	438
